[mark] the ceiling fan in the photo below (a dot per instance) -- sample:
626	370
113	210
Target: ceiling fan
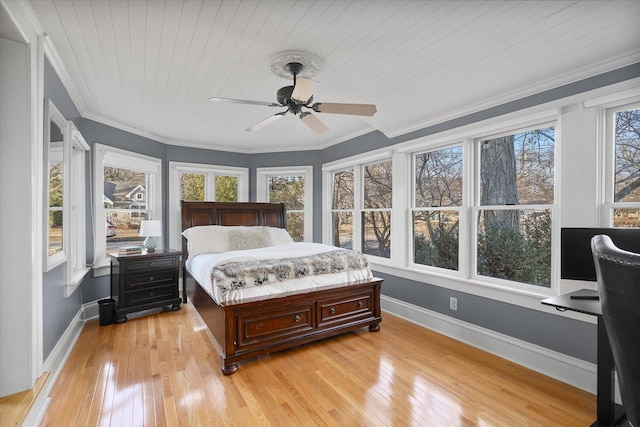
300	95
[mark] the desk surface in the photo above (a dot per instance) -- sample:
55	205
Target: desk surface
586	306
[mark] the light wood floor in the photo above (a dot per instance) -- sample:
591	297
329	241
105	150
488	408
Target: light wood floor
162	370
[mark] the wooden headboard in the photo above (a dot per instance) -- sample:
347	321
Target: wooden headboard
231	213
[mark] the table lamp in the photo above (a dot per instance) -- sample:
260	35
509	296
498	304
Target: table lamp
150	229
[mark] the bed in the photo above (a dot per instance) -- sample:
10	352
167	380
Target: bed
251	325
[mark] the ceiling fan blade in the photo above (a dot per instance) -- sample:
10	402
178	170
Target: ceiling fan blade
314	123
352	109
303	90
243	101
265	122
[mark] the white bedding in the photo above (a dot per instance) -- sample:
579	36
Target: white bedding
201	266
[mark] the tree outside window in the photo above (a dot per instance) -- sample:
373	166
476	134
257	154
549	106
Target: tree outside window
437	203
626	211
289	189
516	199
342	206
376	212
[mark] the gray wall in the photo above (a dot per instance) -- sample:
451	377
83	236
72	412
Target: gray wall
567	336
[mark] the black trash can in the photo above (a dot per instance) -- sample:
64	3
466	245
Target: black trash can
106	308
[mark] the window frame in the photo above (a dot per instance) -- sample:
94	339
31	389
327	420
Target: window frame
357	164
262	191
210	172
609	205
105	155
75	208
462	210
52	114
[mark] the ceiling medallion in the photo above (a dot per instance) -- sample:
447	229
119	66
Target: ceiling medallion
311	64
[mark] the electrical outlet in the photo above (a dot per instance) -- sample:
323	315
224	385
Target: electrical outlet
453	303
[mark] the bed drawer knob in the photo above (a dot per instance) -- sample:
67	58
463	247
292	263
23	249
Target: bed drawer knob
297	318
332	310
359	304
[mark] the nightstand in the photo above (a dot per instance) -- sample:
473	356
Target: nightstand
145	280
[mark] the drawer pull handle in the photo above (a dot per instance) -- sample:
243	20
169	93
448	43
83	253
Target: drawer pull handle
150	294
151	279
151	264
258	325
332	310
297	318
359	304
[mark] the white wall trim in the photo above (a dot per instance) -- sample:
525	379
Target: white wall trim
54	364
567	369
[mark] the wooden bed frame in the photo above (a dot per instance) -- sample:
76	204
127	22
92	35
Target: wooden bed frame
253	327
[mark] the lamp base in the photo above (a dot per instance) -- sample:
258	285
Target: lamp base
150	244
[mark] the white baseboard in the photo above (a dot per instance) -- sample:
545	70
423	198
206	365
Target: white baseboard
54	364
567	369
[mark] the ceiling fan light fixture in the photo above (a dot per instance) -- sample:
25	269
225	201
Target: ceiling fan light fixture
303	90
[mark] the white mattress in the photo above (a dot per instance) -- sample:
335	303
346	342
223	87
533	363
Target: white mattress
201	266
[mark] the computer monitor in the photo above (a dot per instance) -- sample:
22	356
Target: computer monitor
576	258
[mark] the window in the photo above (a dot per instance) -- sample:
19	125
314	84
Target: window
437	207
623	190
54	136
359	198
65	194
294	188
75	208
200	182
515	201
376	209
119	177
342	207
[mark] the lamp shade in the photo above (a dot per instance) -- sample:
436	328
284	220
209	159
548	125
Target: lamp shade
151	228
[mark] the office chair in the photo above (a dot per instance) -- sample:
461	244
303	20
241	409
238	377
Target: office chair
618	274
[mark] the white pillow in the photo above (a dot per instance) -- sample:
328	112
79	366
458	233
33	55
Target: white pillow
279	236
207	239
241	238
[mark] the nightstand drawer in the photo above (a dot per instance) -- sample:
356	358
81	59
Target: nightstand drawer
149	295
150	279
152	264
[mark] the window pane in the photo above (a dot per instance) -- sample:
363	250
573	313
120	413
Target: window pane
435	238
287	189
55	231
626	217
226	189
192	187
376	233
295	226
438	178
627	162
124	208
343	229
518	169
343	190
377	185
56	182
515	245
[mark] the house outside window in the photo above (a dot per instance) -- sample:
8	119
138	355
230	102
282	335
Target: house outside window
294	188
120	177
623	158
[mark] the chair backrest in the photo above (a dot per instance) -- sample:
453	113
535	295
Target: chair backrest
618	274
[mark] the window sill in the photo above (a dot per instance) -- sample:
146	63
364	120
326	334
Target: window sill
76	278
101	270
527	298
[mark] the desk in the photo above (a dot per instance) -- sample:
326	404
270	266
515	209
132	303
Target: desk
608	412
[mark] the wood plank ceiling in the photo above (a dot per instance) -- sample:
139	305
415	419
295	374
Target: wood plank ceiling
150	66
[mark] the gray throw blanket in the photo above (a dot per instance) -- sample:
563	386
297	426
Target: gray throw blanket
244	274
